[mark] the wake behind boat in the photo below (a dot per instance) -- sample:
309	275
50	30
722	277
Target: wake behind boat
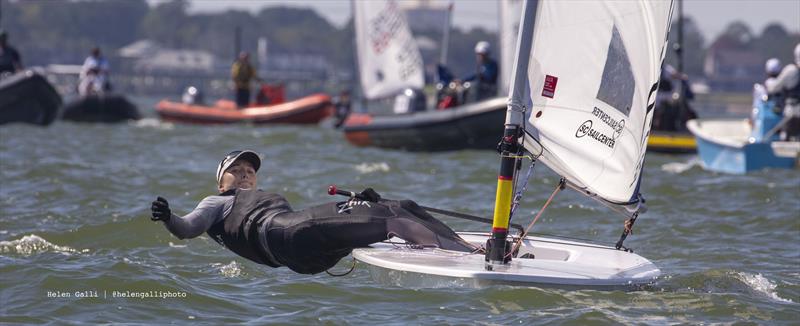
589	122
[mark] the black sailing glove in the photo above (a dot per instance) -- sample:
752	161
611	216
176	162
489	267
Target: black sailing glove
160	210
370	194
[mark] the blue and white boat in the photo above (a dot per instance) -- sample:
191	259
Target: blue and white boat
742	145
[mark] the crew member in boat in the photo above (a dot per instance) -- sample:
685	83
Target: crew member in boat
787	85
772	68
672	105
243	74
94	74
486	72
263	228
343	108
10	60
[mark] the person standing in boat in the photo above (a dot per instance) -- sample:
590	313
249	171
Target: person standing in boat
10	60
263	228
243	74
672	104
487	71
787	85
94	74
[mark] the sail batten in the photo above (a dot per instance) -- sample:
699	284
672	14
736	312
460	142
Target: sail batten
592	71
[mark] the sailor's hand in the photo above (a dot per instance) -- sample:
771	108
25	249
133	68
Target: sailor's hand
370	194
160	210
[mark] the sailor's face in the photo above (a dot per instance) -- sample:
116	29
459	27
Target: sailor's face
240	175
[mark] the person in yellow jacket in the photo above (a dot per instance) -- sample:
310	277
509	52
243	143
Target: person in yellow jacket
243	73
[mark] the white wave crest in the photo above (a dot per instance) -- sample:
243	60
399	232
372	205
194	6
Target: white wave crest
761	284
34	244
230	270
680	167
372	167
153	123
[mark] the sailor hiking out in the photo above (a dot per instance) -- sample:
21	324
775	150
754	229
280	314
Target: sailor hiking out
263	228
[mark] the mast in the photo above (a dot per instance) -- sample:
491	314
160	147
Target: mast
446	35
237	42
497	248
679	45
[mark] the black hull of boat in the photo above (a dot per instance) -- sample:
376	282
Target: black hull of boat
472	126
27	97
105	108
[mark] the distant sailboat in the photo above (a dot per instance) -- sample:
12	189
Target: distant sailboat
390	64
581	101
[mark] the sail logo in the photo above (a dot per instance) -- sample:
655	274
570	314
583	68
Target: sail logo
346	207
549	88
385	27
586	129
616	125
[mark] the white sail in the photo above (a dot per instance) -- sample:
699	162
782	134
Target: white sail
508	29
388	58
592	74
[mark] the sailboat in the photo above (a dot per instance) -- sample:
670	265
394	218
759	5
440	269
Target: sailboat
390	64
581	102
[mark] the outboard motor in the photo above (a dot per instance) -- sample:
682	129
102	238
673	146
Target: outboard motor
410	101
192	96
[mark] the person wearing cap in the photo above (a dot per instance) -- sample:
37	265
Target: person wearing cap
486	72
772	68
263	228
10	61
94	74
243	73
787	85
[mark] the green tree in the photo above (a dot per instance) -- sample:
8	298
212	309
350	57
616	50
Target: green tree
776	42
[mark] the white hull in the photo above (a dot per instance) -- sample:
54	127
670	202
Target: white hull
557	263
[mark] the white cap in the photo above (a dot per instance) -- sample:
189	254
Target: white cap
482	47
773	66
232	157
797	54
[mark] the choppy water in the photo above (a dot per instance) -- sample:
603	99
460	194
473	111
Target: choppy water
74	208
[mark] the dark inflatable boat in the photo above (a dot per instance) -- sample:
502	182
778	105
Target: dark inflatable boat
28	97
101	108
469	126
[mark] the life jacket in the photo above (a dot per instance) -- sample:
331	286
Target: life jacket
239	231
793	94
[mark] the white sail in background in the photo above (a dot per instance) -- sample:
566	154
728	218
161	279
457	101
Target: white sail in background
508	29
388	58
592	76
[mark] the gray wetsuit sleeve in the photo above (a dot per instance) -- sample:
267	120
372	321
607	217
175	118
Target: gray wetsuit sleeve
209	211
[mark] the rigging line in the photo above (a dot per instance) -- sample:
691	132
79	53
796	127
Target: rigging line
518	194
352	267
559	187
467	216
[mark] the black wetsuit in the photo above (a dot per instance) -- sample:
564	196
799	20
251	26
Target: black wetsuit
262	227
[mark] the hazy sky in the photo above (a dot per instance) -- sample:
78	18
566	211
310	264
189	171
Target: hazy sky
712	16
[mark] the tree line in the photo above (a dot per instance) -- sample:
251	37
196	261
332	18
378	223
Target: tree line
64	32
